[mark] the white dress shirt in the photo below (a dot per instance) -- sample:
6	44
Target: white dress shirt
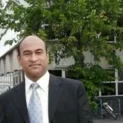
42	92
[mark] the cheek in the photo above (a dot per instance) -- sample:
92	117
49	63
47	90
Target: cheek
44	59
44	62
23	63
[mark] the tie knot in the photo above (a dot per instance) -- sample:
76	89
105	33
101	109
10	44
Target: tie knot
34	86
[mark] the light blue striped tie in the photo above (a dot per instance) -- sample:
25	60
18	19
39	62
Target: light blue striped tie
34	107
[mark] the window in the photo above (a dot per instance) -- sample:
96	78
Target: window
109	89
120	75
56	72
120	88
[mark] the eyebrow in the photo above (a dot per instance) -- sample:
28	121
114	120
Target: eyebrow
26	51
31	50
39	50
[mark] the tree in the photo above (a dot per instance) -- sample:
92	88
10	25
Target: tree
77	26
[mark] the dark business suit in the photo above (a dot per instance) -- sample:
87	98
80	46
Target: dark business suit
67	103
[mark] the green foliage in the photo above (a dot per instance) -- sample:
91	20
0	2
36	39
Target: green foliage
92	76
78	26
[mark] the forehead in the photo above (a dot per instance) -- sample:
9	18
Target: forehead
32	43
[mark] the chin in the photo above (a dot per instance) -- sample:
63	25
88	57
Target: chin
36	74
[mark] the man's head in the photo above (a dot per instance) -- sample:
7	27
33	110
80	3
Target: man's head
33	57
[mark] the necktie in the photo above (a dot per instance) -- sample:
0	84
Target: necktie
34	107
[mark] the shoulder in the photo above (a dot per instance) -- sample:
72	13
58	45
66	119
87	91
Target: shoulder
70	81
73	83
71	86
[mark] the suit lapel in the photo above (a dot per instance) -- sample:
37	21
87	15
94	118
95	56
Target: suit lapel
55	90
20	101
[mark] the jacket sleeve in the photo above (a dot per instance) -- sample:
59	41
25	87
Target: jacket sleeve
2	112
84	112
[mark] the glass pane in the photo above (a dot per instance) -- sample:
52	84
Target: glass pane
109	89
120	88
120	74
56	72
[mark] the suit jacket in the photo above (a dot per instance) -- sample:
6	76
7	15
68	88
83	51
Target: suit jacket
67	103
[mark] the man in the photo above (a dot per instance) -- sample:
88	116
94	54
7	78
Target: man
52	100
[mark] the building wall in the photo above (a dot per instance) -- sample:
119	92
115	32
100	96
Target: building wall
7	64
1	67
15	64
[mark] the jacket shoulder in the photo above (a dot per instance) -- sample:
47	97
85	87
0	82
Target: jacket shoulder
71	83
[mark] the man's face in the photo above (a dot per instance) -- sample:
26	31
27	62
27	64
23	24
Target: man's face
33	57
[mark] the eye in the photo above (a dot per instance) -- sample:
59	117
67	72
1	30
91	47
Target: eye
27	53
39	52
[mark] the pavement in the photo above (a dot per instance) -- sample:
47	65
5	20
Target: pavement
119	120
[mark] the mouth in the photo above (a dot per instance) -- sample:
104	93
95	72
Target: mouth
34	65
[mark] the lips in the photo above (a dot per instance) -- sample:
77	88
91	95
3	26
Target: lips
34	65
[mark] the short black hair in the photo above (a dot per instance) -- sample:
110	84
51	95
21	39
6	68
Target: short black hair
18	45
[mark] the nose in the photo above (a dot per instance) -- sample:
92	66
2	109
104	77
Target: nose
33	57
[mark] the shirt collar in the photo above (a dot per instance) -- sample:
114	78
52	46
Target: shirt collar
43	82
